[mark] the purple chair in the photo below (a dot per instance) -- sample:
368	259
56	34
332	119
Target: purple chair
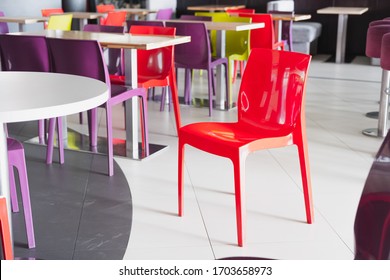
373	50
85	58
197	55
16	158
3	25
29	53
379	22
196	18
164	14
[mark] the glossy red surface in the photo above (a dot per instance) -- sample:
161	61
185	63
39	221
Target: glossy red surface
271	113
5	231
117	18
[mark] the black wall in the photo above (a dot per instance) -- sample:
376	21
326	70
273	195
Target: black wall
357	25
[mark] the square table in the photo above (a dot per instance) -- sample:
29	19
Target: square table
136	13
221	28
22	21
343	13
130	44
214	8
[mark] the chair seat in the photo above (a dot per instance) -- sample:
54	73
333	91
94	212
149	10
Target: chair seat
227	135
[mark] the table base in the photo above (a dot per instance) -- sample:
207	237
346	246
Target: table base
347	59
373	132
80	142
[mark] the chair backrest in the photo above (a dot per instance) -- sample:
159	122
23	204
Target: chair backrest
60	22
286	28
113	57
372	221
3	25
282	6
272	90
78	57
24	53
238	42
164	14
261	37
158	62
132	22
117	18
49	12
197	53
104	8
194	17
237	11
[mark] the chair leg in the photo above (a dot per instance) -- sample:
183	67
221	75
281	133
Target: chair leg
5	231
180	177
110	148
92	126
228	84
306	181
60	140
50	141
239	187
187	86
12	188
210	87
25	192
144	125
175	98
235	66
41	131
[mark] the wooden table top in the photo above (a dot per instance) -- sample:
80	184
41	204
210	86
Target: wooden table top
133	11
228	26
114	40
214	7
87	15
343	10
295	17
23	20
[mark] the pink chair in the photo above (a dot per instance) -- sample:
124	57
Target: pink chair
5	231
3	25
164	14
16	158
271	114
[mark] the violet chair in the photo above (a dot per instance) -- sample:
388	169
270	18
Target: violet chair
16	159
271	114
85	58
3	25
29	53
197	55
164	14
5	231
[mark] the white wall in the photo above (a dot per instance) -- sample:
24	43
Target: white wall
27	8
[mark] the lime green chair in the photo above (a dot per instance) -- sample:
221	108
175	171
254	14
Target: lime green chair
60	22
237	47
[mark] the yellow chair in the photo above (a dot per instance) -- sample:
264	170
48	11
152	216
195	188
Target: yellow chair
60	22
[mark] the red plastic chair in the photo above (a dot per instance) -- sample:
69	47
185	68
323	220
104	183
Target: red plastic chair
104	8
237	11
117	18
156	67
49	12
5	231
271	114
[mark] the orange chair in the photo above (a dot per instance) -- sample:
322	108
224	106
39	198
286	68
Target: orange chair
117	18
271	114
104	8
49	12
5	231
155	67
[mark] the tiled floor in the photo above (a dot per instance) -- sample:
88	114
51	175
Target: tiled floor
338	96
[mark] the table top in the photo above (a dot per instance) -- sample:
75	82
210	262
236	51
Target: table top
39	95
228	26
133	11
343	10
23	20
114	40
214	7
87	15
294	17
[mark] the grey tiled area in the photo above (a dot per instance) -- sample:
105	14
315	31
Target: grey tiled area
79	212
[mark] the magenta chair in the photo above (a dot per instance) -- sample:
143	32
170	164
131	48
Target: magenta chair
3	25
16	158
85	58
164	14
197	55
271	114
29	53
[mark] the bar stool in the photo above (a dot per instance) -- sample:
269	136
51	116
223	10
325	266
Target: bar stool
5	231
373	50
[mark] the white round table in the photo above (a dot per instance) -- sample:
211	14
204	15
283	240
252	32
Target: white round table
27	96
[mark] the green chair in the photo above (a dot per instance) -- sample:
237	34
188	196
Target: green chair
60	22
